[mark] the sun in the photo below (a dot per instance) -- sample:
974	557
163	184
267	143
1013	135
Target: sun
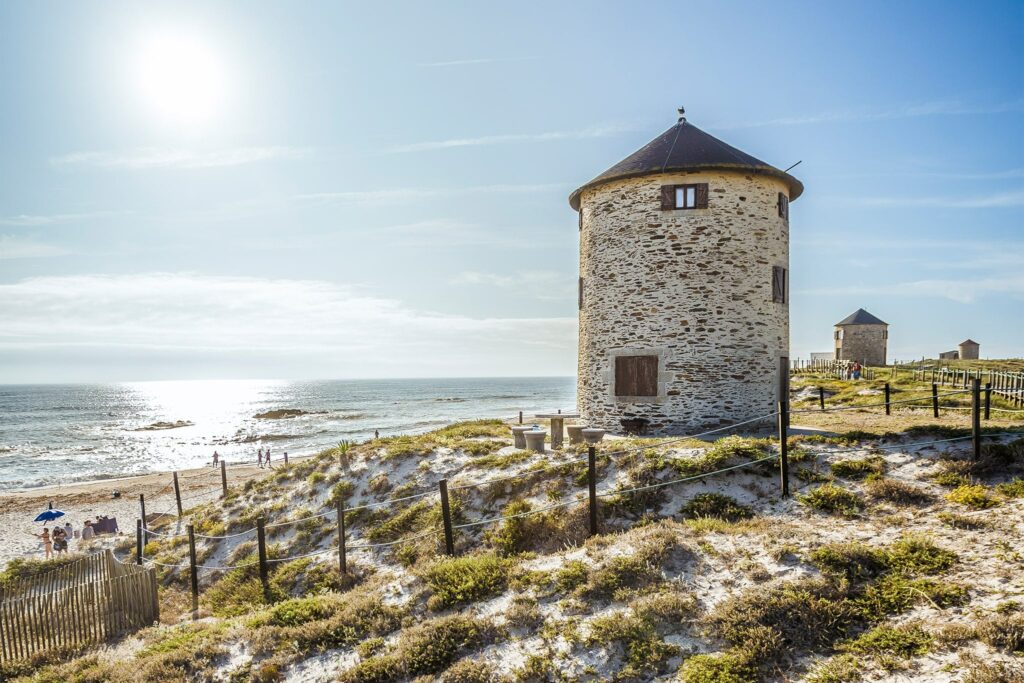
181	78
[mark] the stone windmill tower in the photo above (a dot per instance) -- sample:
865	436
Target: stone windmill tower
684	285
862	337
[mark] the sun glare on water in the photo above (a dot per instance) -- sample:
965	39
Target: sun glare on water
181	78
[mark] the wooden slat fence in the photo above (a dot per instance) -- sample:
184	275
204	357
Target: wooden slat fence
85	602
1008	385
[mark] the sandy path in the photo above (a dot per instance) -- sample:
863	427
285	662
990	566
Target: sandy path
88	500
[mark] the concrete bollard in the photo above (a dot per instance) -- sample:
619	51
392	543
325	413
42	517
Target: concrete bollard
535	439
575	434
592	435
517	435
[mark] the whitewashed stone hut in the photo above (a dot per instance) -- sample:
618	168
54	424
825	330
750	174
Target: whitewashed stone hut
683	287
969	349
862	337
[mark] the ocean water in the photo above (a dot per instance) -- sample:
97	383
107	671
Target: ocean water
58	434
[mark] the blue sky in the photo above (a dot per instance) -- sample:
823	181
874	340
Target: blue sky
338	190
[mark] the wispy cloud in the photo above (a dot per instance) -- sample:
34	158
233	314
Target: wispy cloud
437	233
152	157
544	284
866	114
510	138
340	328
418	194
965	290
31	220
470	62
18	248
995	200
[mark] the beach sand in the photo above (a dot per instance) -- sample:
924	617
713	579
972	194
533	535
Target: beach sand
89	500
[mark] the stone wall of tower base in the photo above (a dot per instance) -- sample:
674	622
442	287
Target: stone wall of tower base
692	287
863	343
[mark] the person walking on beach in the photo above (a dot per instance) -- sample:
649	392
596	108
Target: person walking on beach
47	543
268	458
216	458
259	457
376	433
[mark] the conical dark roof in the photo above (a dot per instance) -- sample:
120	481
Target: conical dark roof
969	341
860	317
684	147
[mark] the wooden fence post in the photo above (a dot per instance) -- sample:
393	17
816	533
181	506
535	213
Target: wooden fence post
976	417
142	510
342	565
592	487
784	447
223	479
261	539
888	391
286	458
446	513
935	400
177	493
988	400
821	397
193	571
520	417
138	541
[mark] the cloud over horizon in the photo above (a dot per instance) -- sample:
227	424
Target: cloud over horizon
156	157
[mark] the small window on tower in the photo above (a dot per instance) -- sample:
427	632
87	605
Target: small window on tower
778	284
684	196
783	206
636	376
579	293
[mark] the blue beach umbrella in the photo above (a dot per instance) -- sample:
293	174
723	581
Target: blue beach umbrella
49	516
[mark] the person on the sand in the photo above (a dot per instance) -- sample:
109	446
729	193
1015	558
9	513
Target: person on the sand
267	456
88	533
60	541
216	458
69	530
856	370
47	543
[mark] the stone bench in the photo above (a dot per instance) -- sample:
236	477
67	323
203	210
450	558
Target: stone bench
535	439
517	436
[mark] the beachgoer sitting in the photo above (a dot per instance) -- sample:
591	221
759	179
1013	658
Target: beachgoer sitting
60	541
88	533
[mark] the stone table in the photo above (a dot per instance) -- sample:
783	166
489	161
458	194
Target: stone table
557	425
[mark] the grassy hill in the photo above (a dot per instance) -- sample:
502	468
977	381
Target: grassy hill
888	559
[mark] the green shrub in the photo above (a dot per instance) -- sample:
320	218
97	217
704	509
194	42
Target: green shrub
1012	489
340	493
897	492
716	505
957	521
905	641
833	499
843	668
571	576
426	648
619	575
644	651
974	496
725	667
520	531
854	561
858	468
895	593
915	554
460	580
469	671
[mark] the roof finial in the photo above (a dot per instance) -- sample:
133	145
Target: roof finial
682	111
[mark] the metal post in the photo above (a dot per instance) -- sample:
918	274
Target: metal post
887	392
988	399
520	417
223	479
592	486
177	493
446	513
261	540
341	538
193	571
821	397
976	417
138	541
935	400
784	447
142	509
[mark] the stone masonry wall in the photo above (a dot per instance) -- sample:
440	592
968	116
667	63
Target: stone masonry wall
864	343
693	287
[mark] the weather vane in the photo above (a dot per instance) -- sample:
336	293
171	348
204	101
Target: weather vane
682	112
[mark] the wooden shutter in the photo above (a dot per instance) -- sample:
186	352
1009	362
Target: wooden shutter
701	196
668	197
579	293
778	284
783	206
636	375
